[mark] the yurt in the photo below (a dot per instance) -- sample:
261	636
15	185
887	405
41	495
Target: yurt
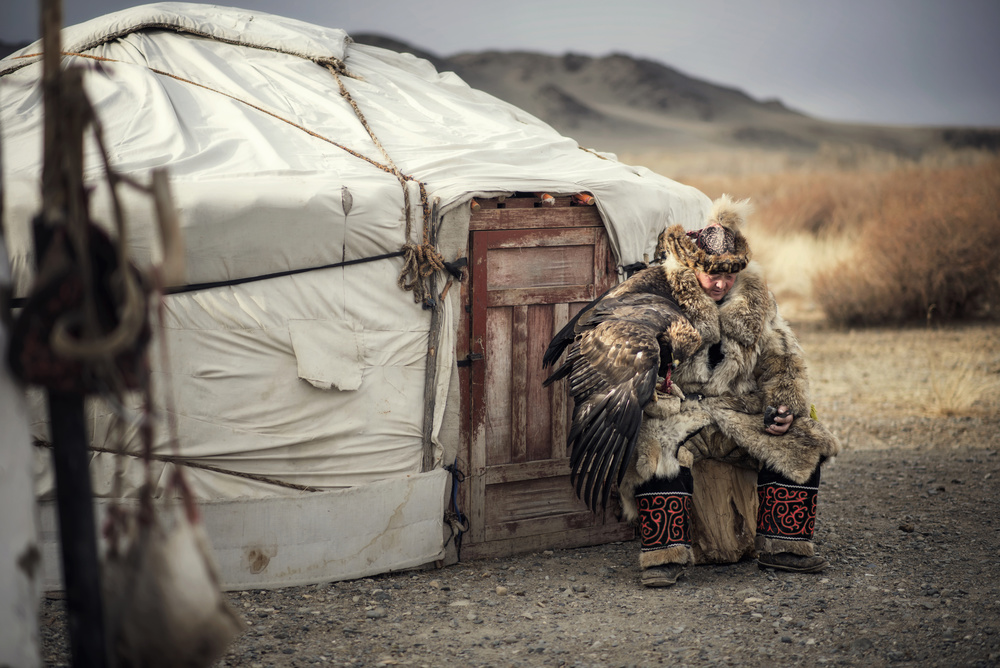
376	254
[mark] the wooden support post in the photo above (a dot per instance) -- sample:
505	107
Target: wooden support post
64	203
433	341
78	539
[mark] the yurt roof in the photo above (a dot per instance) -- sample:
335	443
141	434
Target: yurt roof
261	121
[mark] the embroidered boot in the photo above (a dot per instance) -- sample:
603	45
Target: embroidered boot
786	517
664	506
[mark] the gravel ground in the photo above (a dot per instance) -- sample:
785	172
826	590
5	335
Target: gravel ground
914	544
907	518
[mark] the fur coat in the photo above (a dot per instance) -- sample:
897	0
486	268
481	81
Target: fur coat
762	365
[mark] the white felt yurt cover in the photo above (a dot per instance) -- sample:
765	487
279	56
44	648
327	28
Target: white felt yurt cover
314	378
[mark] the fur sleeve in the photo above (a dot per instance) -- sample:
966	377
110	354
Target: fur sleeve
781	368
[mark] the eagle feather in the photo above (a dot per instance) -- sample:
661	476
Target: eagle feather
616	348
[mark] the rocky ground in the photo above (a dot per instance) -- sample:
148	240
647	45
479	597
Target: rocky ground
907	518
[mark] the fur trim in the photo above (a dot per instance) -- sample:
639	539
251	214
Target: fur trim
795	454
747	309
803	548
761	354
675	554
730	214
698	307
710	443
666	425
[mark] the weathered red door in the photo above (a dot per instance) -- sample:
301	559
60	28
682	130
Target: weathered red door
531	270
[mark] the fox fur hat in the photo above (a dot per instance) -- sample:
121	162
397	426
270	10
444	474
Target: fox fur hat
717	248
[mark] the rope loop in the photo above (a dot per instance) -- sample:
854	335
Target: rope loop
419	262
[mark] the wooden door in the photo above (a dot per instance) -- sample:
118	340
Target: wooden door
531	270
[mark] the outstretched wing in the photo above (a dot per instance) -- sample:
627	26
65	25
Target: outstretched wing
613	375
637	306
612	365
565	336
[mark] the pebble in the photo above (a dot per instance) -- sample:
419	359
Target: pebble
916	609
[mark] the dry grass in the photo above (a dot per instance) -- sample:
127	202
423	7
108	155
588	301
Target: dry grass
731	166
958	386
897	372
866	238
791	261
933	251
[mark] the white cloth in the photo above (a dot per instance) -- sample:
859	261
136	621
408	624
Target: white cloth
260	146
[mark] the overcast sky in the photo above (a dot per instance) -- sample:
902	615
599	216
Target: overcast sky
910	62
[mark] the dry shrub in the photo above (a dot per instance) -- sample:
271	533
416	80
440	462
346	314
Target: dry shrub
791	260
933	251
926	231
807	202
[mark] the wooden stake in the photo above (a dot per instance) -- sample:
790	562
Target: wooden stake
433	340
64	203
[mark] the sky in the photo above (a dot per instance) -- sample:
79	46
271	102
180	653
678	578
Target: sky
898	62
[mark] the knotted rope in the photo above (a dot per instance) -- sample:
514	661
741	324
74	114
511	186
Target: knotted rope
419	260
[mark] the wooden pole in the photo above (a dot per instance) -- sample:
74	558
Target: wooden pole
433	340
78	541
64	203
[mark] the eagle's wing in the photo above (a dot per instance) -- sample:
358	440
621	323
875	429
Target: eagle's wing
614	371
565	336
612	365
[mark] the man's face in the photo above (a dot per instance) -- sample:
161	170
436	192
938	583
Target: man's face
716	286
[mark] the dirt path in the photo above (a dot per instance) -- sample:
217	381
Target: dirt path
907	517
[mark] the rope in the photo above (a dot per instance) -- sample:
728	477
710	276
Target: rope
420	261
178	461
457	522
19	302
248	104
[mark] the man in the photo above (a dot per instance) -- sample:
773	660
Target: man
749	364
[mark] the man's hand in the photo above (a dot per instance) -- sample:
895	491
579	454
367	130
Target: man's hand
782	421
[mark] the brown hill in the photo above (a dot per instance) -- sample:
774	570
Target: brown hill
625	104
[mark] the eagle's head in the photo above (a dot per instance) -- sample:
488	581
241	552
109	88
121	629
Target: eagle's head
684	340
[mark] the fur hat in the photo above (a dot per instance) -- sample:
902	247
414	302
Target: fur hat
717	248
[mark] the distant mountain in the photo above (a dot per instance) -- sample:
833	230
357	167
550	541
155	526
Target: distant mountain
621	103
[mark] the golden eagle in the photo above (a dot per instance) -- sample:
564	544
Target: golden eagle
618	346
